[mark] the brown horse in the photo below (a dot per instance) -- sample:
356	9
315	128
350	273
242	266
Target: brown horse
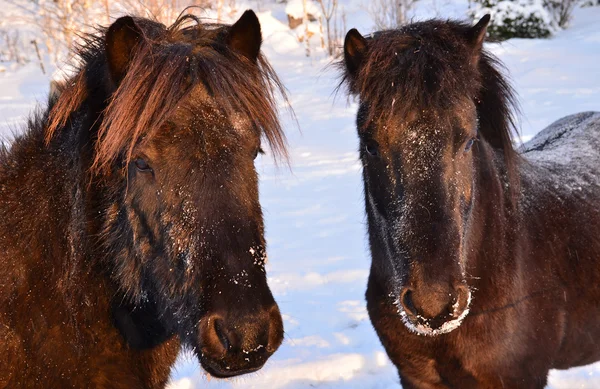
485	262
129	213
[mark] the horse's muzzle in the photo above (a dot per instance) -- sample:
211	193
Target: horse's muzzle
234	345
434	311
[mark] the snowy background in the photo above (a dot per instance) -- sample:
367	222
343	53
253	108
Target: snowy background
318	257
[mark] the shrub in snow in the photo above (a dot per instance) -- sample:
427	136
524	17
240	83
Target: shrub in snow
516	18
389	14
561	10
295	11
12	47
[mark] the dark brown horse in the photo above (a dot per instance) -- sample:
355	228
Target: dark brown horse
129	213
485	262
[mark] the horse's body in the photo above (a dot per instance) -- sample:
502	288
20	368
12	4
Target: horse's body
518	236
108	263
561	213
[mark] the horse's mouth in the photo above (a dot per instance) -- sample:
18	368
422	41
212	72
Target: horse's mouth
215	369
439	325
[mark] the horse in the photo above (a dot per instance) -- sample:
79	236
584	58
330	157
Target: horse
485	257
130	218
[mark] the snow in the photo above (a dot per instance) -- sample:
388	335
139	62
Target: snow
314	212
19	93
555	77
513	9
295	8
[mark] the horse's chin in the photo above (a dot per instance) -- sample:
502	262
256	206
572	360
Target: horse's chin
214	369
227	366
420	325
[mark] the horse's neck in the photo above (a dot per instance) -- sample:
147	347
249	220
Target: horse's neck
496	228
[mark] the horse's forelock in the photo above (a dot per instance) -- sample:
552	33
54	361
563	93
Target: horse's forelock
167	65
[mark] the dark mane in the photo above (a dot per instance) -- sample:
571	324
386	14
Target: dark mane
425	66
165	68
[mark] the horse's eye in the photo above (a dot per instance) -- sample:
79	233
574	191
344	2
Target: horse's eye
258	150
142	165
372	148
469	144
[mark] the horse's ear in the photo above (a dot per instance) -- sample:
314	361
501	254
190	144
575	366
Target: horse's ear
355	47
244	36
476	36
122	38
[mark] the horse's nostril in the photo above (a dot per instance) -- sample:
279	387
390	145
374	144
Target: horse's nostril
406	299
221	334
216	339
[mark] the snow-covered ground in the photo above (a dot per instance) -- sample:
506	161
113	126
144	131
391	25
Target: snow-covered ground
318	257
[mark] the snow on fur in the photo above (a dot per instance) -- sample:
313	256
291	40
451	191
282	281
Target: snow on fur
570	149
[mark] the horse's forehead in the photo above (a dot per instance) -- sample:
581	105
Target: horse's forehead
211	131
203	140
419	127
199	116
427	139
